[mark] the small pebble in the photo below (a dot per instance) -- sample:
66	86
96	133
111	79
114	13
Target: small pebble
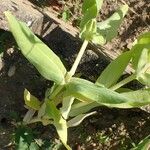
29	23
10	51
88	138
12	70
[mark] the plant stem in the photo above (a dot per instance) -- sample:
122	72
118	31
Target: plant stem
79	56
123	82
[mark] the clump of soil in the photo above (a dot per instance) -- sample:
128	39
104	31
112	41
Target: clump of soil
111	129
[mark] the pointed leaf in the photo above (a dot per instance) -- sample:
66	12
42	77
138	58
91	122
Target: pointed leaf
33	146
89	30
140	55
98	39
82	107
78	119
87	4
29	115
114	70
141	59
39	54
144	38
90	9
52	111
143	68
22	144
144	78
90	14
66	106
41	111
59	122
31	101
88	23
109	28
89	92
140	97
144	144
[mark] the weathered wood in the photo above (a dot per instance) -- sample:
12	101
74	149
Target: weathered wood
40	22
24	11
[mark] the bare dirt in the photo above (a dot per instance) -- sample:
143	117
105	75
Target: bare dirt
136	22
109	129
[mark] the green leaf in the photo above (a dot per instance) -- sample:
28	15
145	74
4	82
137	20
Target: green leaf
98	39
140	97
87	4
144	144
144	38
142	67
82	107
90	9
89	30
22	145
66	14
141	51
109	28
33	146
66	106
31	101
23	138
141	58
39	54
89	92
114	70
140	44
78	119
41	111
144	79
88	23
90	34
59	122
29	115
52	111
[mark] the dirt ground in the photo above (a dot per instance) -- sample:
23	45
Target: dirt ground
109	129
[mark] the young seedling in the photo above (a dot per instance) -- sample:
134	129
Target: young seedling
77	95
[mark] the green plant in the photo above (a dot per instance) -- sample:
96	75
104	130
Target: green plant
77	95
24	139
66	14
143	144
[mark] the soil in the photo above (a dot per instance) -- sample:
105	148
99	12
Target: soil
136	22
109	129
